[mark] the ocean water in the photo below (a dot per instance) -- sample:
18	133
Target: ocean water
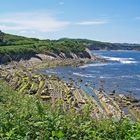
121	73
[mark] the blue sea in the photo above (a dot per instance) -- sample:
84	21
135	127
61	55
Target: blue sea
120	74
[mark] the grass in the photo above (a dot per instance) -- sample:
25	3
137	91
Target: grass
11	44
27	118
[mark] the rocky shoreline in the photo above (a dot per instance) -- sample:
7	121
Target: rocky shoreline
52	90
35	61
22	77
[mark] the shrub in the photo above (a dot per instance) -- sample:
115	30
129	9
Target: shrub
25	117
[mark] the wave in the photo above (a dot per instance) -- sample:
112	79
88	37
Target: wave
95	65
134	89
51	71
138	89
121	60
138	76
91	76
106	77
128	62
84	75
115	59
127	76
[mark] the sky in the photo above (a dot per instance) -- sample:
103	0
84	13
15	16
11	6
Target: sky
103	20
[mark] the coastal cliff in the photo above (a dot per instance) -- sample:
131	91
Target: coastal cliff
17	48
39	57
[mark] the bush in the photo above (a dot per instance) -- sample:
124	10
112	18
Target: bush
12	44
25	117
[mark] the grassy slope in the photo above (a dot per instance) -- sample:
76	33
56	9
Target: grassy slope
98	45
24	117
11	44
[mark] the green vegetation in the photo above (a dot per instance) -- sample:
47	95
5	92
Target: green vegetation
98	45
33	112
12	44
25	117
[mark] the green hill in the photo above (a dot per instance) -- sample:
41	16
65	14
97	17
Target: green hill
13	44
98	45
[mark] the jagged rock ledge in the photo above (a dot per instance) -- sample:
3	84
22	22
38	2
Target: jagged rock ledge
53	90
50	59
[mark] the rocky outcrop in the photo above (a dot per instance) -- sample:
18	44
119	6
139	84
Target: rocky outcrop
17	57
85	54
53	90
41	57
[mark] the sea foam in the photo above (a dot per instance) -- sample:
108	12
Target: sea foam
94	65
121	60
83	75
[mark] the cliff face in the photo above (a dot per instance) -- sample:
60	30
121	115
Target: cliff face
17	48
42	57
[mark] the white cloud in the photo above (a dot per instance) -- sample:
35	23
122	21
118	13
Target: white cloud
34	22
93	22
137	18
61	3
